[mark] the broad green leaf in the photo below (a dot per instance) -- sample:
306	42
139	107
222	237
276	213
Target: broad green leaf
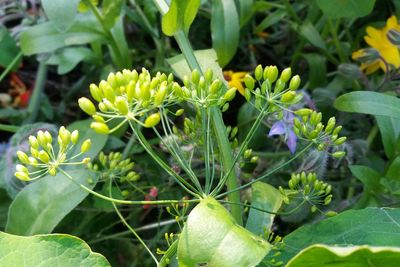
390	133
369	103
346	8
370	226
68	58
211	237
354	256
9	49
111	10
180	16
45	38
266	197
308	31
245	10
270	20
371	180
61	13
41	205
225	30
207	59
48	251
120	37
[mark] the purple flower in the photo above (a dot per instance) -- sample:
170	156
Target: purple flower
285	127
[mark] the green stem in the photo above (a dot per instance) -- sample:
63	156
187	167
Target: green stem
10	66
339	49
9	128
34	102
290	10
371	136
128	147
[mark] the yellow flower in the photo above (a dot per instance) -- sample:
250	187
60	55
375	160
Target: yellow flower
235	79
377	39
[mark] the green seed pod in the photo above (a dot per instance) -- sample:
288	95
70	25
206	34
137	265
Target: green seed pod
95	92
215	87
249	82
87	106
330	125
230	94
209	75
160	94
33	142
271	73
86	146
337	130
22	176
195	76
258	72
152	120
340	140
286	74
288	97
122	105
338	154
294	83
43	156
100	127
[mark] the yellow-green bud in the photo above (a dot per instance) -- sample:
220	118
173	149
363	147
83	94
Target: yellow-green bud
49	138
337	130
286	74
230	94
247	153
41	138
100	127
32	161
74	136
43	156
86	160
202	82
258	72
33	142
160	94
215	86
225	107
331	213
86	146
294	83
330	125
34	152
271	73
52	171
21	168
109	93
22	157
209	75
122	105
195	76
95	92
247	94
288	97
87	106
131	91
249	82
303	112
65	135
22	176
152	120
179	112
340	140
338	154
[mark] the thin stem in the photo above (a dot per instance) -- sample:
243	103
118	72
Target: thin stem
128	147
10	66
268	173
339	49
9	128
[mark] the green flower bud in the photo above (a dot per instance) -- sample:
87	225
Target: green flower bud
294	83
154	83
230	94
41	138
144	91
328	200
22	157
86	160
100	127
109	93
86	146
22	176
249	82
340	140
43	156
271	73
195	76
337	130
338	154
209	75
279	86
33	142
254	159
330	125
286	74
215	86
65	135
152	120
95	92
247	153
247	94
48	137
179	112
303	112
131	91
258	72
74	136
160	94
52	171
288	97
120	79
34	152
111	80
87	106
202	83
122	105
331	213
21	168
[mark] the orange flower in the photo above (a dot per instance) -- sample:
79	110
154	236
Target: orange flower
235	79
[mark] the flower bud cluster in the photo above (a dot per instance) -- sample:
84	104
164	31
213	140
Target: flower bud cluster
270	88
44	158
310	127
130	96
113	166
308	187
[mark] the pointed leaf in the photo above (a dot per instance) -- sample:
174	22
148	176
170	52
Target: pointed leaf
61	13
180	16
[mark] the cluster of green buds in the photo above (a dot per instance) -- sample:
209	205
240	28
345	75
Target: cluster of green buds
310	127
113	166
44	158
271	89
129	96
205	91
309	188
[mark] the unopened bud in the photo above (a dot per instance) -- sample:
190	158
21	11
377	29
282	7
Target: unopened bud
22	176
338	154
271	73
152	120
43	156
249	82
286	74
33	142
294	83
100	127
288	97
122	105
86	146
258	72
87	106
22	157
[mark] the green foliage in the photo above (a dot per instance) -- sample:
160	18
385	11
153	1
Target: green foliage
9	49
60	13
180	16
346	8
47	251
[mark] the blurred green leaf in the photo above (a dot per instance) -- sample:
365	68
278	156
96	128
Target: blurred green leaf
354	256
390	134
111	10
180	16
266	197
47	251
370	226
9	49
308	31
225	30
67	58
61	13
393	171
245	10
211	237
346	8
45	38
317	69
41	205
370	179
270	20
369	103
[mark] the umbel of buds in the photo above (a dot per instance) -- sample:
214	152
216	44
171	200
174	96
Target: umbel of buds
44	158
